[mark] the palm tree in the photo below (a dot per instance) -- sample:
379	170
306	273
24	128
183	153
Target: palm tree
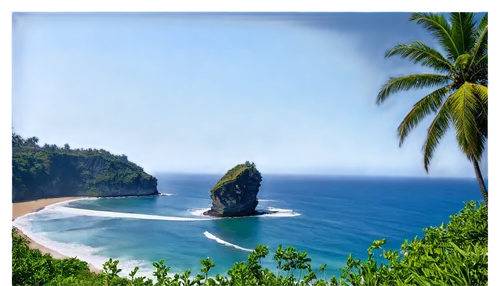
459	82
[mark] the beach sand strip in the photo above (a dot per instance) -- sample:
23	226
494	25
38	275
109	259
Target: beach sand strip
20	209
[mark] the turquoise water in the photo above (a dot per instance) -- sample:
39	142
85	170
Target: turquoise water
329	217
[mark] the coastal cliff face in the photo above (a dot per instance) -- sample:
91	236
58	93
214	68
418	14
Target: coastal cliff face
49	172
236	192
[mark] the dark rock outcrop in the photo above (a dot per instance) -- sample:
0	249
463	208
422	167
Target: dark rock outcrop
236	192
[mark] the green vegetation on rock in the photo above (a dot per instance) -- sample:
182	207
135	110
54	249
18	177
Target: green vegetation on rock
50	171
451	254
233	174
235	194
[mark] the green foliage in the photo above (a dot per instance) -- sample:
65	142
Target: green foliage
233	174
451	254
34	167
31	267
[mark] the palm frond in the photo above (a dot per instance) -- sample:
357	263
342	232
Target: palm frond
462	31
416	81
435	132
480	48
483	25
482	111
420	110
439	27
482	59
420	53
464	105
478	72
481	91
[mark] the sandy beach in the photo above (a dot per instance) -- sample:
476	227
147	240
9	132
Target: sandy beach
20	209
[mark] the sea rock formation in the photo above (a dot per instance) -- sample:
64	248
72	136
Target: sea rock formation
51	172
235	194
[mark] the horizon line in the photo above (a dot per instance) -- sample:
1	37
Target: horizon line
323	175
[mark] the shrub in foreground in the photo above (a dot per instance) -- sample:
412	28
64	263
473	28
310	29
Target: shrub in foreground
451	254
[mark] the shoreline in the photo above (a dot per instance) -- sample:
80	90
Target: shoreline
24	208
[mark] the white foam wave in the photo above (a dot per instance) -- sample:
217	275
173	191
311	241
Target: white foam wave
167	194
213	237
277	212
199	212
50	214
82	252
91	255
280	210
261	200
86	212
86	253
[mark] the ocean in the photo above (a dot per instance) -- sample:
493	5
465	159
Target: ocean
326	216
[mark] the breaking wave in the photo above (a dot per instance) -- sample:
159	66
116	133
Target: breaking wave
47	215
277	212
86	212
61	211
199	212
267	212
86	253
94	255
166	194
213	237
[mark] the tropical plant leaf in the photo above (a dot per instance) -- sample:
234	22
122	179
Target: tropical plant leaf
420	110
420	53
480	47
482	111
483	60
481	35
462	31
440	28
435	132
464	104
478	72
415	81
481	91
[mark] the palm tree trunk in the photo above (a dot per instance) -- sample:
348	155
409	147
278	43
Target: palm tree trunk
480	180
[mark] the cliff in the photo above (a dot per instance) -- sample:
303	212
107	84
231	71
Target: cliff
235	194
50	171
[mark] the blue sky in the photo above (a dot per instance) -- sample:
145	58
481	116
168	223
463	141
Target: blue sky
201	92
